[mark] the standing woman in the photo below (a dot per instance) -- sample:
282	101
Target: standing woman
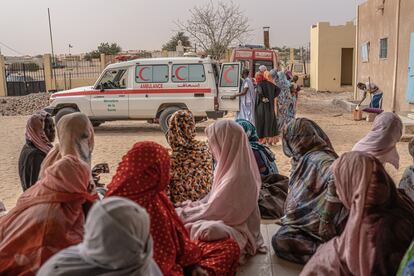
40	133
191	160
286	102
266	121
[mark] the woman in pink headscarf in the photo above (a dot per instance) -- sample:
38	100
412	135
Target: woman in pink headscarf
381	141
40	133
380	226
230	209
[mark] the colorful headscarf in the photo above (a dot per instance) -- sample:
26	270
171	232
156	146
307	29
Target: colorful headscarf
231	206
142	176
380	226
283	83
76	136
117	242
191	161
259	77
266	154
262	68
381	141
35	131
48	217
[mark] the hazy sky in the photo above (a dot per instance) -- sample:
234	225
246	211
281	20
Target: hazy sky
147	24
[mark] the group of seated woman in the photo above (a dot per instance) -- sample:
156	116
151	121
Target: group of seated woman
194	211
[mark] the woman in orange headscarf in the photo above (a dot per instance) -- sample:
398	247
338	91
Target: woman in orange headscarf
142	176
48	217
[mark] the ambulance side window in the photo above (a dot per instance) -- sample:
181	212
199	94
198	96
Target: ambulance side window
151	73
114	79
188	73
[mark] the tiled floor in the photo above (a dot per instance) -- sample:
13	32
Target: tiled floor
268	264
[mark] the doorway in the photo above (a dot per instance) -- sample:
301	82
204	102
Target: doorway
347	66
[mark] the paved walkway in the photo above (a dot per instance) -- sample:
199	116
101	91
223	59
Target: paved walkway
268	264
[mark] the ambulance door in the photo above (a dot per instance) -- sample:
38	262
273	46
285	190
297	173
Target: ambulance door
111	97
229	85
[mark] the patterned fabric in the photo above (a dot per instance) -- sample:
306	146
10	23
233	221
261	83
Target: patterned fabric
312	206
143	176
407	264
266	156
191	161
285	101
407	182
380	226
48	217
35	131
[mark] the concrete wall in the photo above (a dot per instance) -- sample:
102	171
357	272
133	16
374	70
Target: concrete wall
3	88
327	43
375	23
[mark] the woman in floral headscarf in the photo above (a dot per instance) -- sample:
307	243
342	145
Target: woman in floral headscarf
191	161
142	176
40	134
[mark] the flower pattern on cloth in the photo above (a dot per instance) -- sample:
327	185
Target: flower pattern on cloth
143	176
191	161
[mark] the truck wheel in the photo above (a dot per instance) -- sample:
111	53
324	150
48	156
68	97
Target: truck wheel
64	111
165	117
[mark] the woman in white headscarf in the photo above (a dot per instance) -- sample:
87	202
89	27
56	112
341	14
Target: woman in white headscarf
117	242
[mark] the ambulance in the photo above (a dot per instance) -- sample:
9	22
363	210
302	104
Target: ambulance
153	89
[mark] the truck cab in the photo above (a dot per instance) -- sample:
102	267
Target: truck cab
153	89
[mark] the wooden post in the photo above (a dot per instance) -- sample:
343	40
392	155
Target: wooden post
3	85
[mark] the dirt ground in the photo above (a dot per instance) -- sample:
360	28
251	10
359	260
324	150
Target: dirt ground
114	139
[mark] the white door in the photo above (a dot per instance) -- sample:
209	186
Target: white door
229	85
110	99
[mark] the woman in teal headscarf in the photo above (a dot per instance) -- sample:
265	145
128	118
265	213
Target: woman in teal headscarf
265	158
286	102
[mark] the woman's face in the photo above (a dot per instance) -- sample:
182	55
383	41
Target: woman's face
49	129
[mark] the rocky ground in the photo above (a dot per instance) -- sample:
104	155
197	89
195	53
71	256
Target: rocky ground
24	105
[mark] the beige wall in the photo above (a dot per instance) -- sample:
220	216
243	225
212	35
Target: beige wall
3	88
327	43
374	24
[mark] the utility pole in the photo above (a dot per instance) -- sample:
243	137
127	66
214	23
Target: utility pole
51	44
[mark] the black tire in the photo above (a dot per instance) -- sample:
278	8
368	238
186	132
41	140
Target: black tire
64	111
165	117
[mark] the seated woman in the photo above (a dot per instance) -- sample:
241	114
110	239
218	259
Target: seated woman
381	141
117	242
47	218
191	161
76	136
40	134
143	176
265	158
313	214
380	226
407	180
230	209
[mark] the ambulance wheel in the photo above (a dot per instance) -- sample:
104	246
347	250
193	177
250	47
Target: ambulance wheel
166	116
64	111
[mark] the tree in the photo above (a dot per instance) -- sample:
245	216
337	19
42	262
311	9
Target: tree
172	43
104	48
216	27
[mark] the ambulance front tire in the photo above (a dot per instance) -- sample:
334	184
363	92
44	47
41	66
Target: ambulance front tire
64	111
166	116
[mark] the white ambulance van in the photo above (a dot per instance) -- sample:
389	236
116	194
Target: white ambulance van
153	89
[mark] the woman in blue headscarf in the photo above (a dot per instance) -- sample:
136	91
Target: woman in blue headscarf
286	101
265	158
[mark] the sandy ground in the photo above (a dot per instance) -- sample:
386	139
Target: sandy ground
112	140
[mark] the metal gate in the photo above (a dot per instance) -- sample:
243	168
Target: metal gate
23	79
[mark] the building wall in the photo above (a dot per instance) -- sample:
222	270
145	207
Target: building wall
327	43
375	23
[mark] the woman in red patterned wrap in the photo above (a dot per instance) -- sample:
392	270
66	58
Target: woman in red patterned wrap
142	176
